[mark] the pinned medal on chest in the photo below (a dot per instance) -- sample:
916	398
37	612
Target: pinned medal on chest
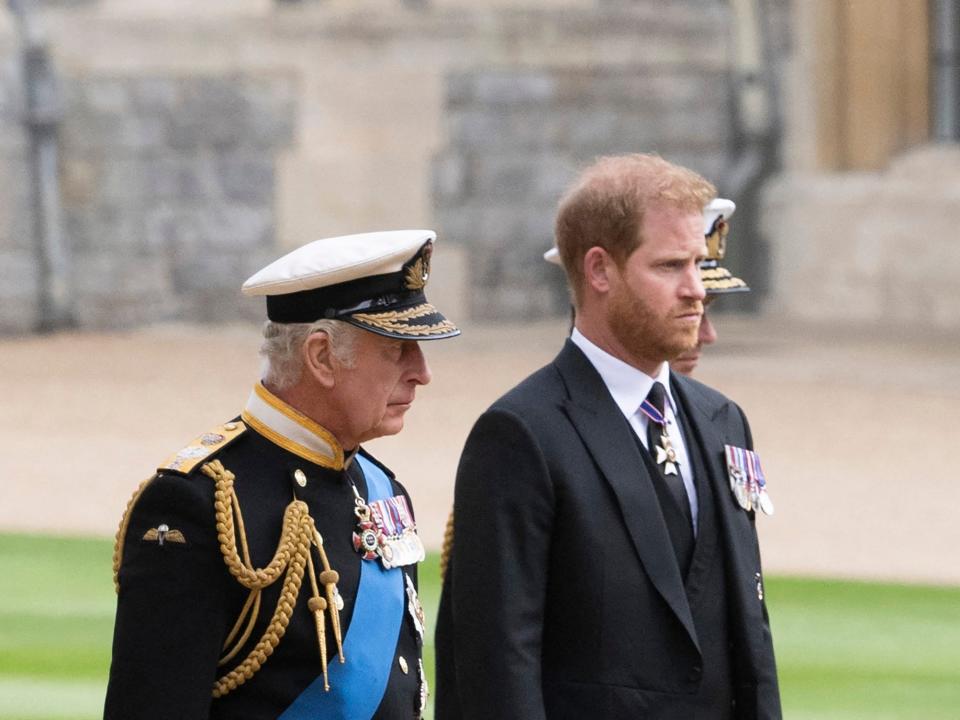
415	608
747	481
385	530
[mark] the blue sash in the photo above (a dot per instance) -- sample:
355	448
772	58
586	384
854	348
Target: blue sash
357	687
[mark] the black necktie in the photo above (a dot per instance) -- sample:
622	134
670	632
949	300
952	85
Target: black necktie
673	480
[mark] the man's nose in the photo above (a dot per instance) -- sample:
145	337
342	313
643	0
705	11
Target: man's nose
419	370
693	284
707	334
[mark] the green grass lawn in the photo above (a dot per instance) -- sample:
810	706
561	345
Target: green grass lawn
845	650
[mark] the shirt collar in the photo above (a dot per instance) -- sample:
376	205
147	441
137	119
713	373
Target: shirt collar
292	430
627	385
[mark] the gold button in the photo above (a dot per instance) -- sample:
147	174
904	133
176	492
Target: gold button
230	426
403	664
300	477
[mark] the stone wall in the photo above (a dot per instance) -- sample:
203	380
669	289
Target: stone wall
168	190
18	260
870	250
201	139
517	138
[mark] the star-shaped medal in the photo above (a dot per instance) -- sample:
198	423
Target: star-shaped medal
666	456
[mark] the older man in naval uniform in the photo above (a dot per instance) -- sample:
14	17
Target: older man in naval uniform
605	560
268	569
717	280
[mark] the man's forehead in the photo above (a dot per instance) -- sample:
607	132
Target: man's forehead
668	212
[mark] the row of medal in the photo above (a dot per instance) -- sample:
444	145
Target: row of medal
747	481
385	530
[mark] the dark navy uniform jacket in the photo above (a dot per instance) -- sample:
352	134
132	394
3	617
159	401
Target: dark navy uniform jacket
178	602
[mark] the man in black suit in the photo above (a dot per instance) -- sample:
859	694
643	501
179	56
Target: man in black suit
605	562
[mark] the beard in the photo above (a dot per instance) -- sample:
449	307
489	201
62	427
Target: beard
648	335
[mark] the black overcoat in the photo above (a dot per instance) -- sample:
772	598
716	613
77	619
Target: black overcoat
564	598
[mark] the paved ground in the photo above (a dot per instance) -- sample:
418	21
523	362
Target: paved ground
858	435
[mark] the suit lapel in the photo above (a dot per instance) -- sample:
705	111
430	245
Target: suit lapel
707	419
703	422
607	436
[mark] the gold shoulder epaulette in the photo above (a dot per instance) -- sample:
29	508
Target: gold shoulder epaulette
185	460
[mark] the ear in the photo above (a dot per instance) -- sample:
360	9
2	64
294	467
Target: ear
597	267
318	359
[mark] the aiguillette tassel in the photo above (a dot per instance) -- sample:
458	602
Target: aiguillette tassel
317	605
330	578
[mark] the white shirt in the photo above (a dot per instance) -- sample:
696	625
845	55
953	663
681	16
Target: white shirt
629	387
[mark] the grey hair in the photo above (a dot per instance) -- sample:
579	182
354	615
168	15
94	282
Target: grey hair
283	342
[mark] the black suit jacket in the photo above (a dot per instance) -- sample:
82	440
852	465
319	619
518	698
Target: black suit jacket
564	598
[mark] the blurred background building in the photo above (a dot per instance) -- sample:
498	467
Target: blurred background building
154	153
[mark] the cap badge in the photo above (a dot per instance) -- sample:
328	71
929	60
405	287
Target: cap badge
717	240
418	272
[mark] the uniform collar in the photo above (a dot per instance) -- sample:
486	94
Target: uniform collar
628	386
292	430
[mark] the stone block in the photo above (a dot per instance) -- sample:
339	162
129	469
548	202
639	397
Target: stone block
141	132
539	178
273	101
80	179
16	209
138	290
211	112
240	228
122	177
105	96
501	176
873	248
233	111
115	227
493	88
480	224
188	178
529	128
189	233
245	177
19	275
209	287
155	95
18	316
450	178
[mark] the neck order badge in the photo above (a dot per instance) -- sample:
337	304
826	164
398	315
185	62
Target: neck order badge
357	687
653	407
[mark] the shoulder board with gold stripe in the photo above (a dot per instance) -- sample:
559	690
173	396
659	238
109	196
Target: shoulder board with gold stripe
185	460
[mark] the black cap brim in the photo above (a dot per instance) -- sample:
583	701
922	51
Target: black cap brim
417	322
